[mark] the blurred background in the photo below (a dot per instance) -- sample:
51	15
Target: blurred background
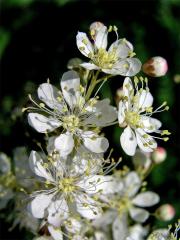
37	38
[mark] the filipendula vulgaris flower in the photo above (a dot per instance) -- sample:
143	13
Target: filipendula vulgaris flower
126	202
116	60
68	191
79	120
135	111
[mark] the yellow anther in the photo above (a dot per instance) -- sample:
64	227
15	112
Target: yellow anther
42	105
71	123
165	132
115	28
125	66
136	80
85	41
59	99
166	139
82	48
110	28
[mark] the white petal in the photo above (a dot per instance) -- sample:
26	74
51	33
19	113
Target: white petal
55	233
128	141
57	212
145	142
83	44
128	91
74	226
127	67
102	113
87	206
119	228
121	112
100	236
121	47
106	219
89	66
49	95
41	123
137	232
36	164
138	214
145	100
98	183
64	144
101	38
132	183
39	204
94	143
70	85
146	199
150	124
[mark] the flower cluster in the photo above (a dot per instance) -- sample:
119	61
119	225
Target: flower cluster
76	189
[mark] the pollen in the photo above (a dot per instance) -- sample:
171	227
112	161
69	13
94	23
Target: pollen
71	123
105	59
133	119
67	185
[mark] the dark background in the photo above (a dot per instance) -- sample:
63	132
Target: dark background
37	38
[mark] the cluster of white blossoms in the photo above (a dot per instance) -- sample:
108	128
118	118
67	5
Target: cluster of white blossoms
76	189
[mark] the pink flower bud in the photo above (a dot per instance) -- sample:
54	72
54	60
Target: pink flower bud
166	212
94	28
159	155
155	67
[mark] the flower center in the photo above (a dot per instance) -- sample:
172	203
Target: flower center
133	119
71	123
123	205
66	185
105	59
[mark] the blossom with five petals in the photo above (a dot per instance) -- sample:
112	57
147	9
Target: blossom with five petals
117	60
135	110
67	191
69	110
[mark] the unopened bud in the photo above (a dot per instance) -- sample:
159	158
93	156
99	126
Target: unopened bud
155	67
94	28
159	155
166	212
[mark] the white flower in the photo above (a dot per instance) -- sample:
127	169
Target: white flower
117	60
77	118
67	192
127	201
135	111
120	227
121	231
133	202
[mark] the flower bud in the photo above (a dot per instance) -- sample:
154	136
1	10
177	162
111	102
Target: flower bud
94	28
159	155
166	212
155	67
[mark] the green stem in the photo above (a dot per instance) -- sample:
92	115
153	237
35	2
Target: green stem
94	82
92	85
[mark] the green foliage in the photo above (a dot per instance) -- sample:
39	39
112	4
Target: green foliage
4	40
